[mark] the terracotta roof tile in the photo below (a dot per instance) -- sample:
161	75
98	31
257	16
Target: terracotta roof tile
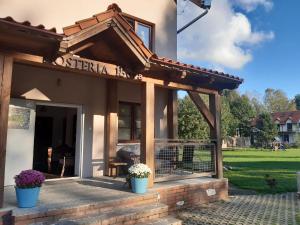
282	117
194	68
28	24
113	11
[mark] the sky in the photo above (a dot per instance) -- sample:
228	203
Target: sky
257	40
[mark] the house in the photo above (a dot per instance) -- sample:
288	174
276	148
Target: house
288	125
70	101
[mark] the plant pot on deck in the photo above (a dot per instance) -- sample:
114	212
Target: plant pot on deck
28	185
27	197
139	174
139	185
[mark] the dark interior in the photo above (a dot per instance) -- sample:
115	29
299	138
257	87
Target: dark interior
55	141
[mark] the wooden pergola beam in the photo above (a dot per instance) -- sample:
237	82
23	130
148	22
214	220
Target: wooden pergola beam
147	139
111	123
6	64
172	114
200	104
215	133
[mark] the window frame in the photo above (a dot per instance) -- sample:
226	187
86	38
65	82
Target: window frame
133	128
144	23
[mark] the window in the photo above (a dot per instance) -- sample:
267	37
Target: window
289	126
129	123
278	127
143	29
144	32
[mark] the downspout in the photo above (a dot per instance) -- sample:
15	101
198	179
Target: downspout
193	21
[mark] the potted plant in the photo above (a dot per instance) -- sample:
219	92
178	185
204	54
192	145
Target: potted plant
139	174
28	184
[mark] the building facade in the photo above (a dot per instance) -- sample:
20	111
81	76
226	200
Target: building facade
71	100
288	125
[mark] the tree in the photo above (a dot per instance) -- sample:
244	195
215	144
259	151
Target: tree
257	106
191	124
243	112
266	129
277	101
297	101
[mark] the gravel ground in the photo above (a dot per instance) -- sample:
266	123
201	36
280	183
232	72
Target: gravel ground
278	209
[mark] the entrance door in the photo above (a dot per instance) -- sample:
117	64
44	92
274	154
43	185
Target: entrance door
55	141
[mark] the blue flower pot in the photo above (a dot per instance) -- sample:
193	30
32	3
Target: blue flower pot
139	185
27	197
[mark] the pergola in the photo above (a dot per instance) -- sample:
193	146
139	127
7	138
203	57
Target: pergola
106	46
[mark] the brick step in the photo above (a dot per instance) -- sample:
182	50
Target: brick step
53	213
128	216
168	220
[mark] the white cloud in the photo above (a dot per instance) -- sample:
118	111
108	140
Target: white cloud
250	5
223	37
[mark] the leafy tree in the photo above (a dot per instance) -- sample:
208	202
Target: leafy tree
297	101
191	124
228	122
243	112
277	101
266	129
257	106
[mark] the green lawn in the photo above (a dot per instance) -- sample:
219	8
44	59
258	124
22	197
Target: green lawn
250	166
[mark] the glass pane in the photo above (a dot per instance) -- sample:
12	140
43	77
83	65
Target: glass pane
144	33
124	134
124	110
137	112
124	122
137	134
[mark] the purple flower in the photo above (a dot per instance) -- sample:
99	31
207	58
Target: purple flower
29	179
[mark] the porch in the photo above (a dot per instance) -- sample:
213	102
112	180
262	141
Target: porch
77	199
95	66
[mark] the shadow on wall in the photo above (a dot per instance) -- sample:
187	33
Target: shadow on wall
168	32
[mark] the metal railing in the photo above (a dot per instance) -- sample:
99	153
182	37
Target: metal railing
179	159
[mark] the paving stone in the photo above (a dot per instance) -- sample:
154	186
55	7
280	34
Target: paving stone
278	209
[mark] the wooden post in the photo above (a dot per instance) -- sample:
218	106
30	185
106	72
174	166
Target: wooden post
147	140
6	64
215	132
112	123
172	114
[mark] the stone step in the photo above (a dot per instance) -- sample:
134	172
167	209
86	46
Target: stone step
168	220
127	216
52	213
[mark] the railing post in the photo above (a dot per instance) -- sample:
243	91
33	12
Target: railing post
6	64
147	140
215	132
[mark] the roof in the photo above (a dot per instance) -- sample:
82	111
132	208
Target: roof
27	24
196	75
282	117
114	11
195	69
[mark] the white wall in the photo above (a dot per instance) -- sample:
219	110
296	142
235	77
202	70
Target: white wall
71	89
19	154
61	13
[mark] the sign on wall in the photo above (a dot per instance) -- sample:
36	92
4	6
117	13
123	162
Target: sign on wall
18	118
76	62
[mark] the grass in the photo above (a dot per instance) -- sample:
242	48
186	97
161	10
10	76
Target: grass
250	166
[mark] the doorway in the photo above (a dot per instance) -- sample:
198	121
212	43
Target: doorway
55	141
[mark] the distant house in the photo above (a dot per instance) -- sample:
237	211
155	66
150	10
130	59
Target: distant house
288	125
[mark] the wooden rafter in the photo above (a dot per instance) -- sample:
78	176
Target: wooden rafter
200	104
